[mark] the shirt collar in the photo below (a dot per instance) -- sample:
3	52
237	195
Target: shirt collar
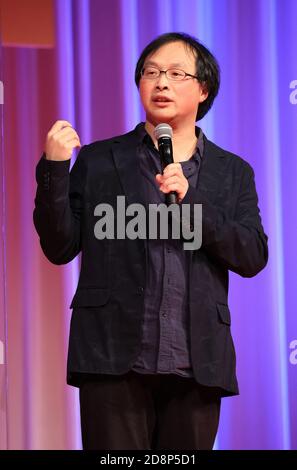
145	138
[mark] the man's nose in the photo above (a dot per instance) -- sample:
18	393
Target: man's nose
162	81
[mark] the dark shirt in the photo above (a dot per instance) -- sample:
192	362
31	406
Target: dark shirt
166	330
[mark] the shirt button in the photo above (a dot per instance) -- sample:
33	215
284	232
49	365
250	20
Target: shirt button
140	290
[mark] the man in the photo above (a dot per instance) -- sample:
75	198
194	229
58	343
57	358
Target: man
150	344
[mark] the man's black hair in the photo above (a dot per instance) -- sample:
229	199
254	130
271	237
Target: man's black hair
207	67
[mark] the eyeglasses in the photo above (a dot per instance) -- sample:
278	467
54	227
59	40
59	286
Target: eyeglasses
152	73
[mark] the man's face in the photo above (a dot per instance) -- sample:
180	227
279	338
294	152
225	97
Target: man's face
183	96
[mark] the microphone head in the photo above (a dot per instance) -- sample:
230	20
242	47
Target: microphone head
163	130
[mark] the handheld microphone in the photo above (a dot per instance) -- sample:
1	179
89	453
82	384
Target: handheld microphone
163	134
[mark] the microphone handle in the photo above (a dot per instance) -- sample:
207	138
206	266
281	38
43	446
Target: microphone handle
166	156
171	198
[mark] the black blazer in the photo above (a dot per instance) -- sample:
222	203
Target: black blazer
105	333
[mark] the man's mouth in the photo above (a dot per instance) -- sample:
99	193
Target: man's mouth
161	99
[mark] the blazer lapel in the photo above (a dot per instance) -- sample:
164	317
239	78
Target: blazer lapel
213	171
125	155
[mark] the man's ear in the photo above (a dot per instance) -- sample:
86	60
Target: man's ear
203	92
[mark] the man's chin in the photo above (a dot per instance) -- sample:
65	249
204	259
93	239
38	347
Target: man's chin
157	118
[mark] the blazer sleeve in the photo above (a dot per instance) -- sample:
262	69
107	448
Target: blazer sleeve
237	243
58	208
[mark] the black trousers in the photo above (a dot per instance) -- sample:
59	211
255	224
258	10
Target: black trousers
136	411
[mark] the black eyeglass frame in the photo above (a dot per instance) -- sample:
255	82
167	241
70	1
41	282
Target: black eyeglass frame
165	71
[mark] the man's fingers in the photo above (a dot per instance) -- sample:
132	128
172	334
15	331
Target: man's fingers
172	167
65	134
72	139
62	133
60	141
72	143
170	177
58	126
171	180
172	172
